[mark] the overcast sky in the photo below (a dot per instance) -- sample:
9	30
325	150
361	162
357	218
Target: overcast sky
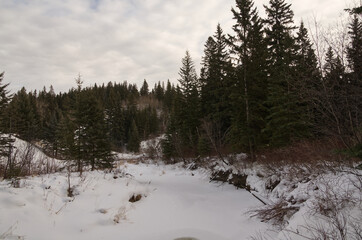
48	42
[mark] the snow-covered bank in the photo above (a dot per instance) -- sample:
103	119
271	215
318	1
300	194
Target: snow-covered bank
175	203
321	200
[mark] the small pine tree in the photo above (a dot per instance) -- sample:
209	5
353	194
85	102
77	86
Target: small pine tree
134	140
144	89
6	142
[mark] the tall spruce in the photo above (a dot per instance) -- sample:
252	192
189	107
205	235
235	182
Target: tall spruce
249	90
215	78
307	78
354	101
189	112
6	141
285	121
92	142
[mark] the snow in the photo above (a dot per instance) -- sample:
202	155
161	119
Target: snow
175	203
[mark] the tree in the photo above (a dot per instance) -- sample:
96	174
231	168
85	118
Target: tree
187	113
6	141
144	89
188	78
285	121
134	140
215	82
91	133
249	91
307	78
23	116
354	50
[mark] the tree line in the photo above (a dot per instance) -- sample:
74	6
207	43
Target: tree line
84	125
262	86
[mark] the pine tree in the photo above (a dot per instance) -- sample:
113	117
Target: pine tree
354	50
144	89
134	140
215	85
307	78
188	112
249	90
169	97
6	142
285	121
353	94
188	78
115	119
23	115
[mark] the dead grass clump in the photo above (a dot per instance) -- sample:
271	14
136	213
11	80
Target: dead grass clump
276	214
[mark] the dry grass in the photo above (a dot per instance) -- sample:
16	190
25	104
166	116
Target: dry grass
277	214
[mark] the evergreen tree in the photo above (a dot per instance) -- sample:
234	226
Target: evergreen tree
144	89
115	119
249	89
169	96
307	78
285	121
23	115
159	91
354	50
215	81
353	94
188	112
134	140
188	78
6	142
91	139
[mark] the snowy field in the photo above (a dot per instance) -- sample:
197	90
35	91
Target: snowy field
175	203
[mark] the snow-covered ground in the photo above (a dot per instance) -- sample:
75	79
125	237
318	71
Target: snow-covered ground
175	203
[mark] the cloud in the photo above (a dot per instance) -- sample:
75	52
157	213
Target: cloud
45	43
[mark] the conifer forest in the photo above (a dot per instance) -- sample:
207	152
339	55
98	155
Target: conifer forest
270	95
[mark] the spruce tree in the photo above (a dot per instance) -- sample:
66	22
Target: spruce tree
215	85
285	121
144	89
188	113
23	115
307	78
6	142
188	77
249	90
134	139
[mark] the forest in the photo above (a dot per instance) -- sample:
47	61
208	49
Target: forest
261	88
276	110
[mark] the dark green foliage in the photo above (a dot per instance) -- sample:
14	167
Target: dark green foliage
261	87
144	89
215	79
249	90
186	111
286	120
134	139
23	116
5	140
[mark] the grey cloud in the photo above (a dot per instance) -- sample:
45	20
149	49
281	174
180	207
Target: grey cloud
45	43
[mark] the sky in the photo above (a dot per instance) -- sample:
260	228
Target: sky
50	42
